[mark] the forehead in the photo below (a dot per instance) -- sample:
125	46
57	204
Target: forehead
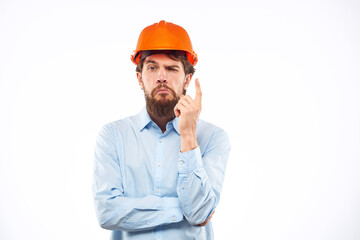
162	59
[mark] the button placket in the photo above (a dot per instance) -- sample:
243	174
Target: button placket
158	232
159	155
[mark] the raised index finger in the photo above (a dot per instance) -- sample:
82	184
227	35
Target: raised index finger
198	92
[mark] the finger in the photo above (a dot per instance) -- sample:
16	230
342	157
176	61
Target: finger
204	223
198	92
187	99
177	110
177	107
182	107
188	103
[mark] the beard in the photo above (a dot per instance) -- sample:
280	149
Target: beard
163	107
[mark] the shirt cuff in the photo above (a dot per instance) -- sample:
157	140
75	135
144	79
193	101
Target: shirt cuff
190	161
174	215
172	209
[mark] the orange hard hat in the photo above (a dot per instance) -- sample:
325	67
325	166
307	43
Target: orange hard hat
164	36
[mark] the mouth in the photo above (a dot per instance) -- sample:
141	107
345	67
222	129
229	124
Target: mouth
163	91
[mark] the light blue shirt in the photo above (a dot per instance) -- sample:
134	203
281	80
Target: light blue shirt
145	188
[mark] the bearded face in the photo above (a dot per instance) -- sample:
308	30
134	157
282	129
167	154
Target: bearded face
161	105
163	80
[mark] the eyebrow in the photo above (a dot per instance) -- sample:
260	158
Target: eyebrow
173	66
150	61
153	62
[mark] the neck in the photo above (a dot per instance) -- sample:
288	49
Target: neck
161	121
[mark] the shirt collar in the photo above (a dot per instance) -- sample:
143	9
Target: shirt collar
144	120
175	123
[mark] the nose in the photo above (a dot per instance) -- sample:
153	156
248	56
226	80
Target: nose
162	76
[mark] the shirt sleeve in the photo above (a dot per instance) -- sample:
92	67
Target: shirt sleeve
114	210
201	177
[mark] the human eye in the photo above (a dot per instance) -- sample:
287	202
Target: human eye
173	69
151	68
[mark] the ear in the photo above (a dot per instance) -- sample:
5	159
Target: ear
139	77
188	78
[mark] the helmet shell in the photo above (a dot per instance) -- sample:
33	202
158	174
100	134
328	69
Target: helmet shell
164	36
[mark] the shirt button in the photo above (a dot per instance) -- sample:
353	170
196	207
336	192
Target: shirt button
173	218
181	162
183	187
160	140
159	164
147	223
157	190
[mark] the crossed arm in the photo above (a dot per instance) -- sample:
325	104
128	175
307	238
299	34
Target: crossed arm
200	177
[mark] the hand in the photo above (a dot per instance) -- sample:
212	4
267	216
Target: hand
207	220
189	109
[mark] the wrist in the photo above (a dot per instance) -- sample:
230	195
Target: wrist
188	142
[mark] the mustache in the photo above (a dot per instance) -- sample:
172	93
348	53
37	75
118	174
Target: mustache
163	86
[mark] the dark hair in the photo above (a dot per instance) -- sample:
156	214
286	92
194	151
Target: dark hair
173	54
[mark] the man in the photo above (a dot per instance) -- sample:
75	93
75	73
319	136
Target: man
158	175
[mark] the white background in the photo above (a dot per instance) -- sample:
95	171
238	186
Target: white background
281	77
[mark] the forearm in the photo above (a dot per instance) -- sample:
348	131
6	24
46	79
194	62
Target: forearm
188	142
196	195
136	214
201	175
